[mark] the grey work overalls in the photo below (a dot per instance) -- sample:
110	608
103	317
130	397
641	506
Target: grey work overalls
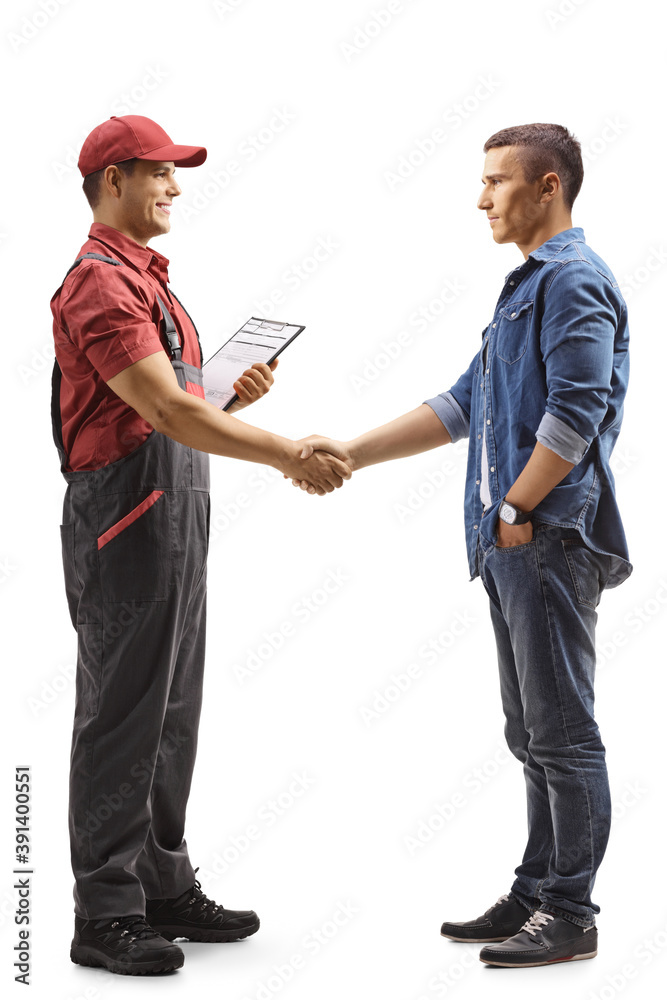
135	540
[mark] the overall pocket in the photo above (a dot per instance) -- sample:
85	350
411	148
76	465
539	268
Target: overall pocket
134	551
513	330
72	583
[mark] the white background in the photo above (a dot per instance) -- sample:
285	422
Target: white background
354	98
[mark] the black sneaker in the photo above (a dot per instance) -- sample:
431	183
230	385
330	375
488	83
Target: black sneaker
126	945
499	922
194	916
543	940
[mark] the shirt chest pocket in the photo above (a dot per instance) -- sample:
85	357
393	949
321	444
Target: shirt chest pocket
513	329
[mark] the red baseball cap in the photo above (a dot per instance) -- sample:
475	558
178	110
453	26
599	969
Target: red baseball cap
133	136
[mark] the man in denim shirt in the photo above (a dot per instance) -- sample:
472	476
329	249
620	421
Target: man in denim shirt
541	404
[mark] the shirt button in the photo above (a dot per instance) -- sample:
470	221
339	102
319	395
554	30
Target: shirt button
494	326
475	526
511	282
487	371
488	421
477	482
512	315
478	436
493	468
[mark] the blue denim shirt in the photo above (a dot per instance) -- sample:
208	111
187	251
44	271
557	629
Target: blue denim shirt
556	372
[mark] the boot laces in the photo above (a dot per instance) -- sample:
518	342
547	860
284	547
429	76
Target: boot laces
134	928
537	921
200	897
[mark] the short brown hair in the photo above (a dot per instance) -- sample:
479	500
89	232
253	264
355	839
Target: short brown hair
543	148
92	183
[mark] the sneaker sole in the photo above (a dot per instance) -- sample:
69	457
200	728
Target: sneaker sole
534	965
81	955
199	934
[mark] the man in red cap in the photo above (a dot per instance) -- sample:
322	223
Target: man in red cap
133	432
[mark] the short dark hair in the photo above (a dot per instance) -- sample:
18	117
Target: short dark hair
542	148
92	183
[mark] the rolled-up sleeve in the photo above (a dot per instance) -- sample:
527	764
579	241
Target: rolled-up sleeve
578	330
453	406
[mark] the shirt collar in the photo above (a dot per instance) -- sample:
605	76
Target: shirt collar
144	258
552	247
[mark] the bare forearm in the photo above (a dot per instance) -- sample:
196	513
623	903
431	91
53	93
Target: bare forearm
413	432
194	422
543	470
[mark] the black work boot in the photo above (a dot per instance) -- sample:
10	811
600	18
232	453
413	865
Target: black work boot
500	921
126	945
543	940
194	916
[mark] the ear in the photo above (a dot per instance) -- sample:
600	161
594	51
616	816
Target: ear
112	180
549	187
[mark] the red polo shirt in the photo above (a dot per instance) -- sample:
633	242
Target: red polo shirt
104	319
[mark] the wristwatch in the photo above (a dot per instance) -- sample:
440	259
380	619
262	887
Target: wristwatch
512	515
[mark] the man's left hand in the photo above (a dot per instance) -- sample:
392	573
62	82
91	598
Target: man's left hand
513	534
253	384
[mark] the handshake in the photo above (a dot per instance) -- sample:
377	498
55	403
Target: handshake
318	464
321	464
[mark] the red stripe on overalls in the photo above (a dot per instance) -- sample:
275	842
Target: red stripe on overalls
126	521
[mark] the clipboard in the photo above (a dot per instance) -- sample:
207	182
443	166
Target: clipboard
257	340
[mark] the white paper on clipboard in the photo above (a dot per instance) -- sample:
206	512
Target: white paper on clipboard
257	340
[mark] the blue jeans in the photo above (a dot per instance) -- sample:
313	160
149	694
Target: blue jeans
543	597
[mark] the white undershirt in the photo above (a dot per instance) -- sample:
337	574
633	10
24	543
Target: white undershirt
484	491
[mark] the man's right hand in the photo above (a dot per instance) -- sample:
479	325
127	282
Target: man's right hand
323	462
313	446
410	434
